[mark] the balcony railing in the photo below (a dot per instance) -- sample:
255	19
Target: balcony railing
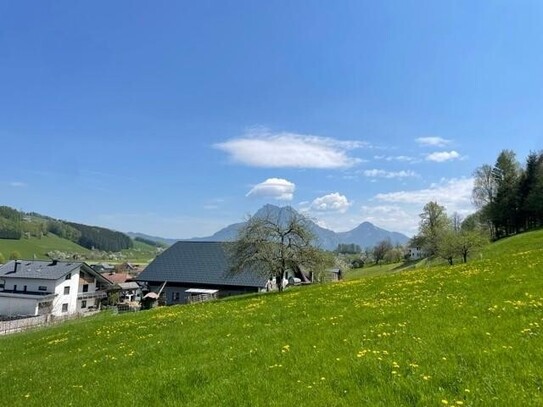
90	294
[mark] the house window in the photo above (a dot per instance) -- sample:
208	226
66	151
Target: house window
65	307
24	288
42	288
68	276
84	304
15	287
2	285
66	290
175	296
85	288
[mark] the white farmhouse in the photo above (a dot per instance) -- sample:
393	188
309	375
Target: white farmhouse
415	253
32	287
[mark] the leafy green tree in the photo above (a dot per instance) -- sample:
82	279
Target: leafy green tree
531	191
380	250
2	259
394	255
460	243
468	241
447	247
433	222
504	208
272	244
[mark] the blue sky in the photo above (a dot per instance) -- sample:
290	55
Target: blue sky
178	118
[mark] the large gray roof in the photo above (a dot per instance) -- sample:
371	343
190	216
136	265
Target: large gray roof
45	270
197	263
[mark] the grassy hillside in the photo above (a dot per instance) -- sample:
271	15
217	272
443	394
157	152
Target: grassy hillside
27	248
140	253
464	335
39	247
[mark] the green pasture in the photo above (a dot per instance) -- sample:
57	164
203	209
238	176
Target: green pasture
38	247
34	247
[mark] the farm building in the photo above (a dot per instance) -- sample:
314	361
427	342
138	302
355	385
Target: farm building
198	270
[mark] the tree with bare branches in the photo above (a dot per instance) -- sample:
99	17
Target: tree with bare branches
273	243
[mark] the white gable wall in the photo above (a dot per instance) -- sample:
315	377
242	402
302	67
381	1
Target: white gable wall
61	298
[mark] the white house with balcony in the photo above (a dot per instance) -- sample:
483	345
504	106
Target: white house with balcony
34	287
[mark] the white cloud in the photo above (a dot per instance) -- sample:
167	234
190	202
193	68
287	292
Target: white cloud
402	158
454	194
274	188
375	173
17	184
391	217
433	141
399	211
443	156
262	148
334	202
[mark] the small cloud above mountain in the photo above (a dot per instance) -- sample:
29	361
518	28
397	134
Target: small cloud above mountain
334	202
275	188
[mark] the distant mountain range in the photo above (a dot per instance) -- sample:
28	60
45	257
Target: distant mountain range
364	235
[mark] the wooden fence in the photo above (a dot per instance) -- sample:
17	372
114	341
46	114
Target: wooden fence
21	324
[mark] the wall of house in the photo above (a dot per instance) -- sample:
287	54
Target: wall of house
169	292
415	253
90	281
17	306
32	284
70	299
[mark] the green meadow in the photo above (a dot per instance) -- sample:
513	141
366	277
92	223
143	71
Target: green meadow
33	247
38	247
466	335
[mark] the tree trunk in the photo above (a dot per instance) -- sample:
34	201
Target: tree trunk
279	282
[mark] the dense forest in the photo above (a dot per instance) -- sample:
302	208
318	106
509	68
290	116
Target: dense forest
149	242
93	237
18	225
509	196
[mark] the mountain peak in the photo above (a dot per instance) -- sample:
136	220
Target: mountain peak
365	235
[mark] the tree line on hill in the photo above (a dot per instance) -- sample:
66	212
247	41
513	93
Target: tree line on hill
448	237
149	242
17	225
509	196
10	223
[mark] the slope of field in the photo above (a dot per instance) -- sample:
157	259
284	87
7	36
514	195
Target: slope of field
140	253
28	248
462	335
34	247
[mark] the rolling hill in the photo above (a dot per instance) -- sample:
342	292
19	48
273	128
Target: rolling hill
469	334
34	247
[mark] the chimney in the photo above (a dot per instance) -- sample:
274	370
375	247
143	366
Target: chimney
54	262
17	262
